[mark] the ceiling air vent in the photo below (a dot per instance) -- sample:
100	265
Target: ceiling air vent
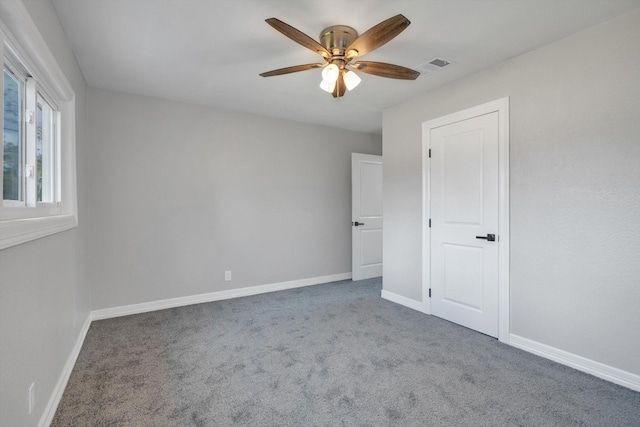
439	62
434	65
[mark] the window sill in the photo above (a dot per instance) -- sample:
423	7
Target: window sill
17	231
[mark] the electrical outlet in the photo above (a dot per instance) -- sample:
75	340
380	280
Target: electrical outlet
32	397
227	276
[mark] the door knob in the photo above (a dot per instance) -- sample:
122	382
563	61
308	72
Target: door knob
358	223
488	237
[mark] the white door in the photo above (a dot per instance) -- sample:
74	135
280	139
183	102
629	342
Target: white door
464	214
366	215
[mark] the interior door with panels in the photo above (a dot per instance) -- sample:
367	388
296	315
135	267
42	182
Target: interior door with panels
464	212
366	216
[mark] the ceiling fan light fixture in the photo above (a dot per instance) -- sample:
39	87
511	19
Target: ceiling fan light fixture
327	86
351	80
330	73
339	46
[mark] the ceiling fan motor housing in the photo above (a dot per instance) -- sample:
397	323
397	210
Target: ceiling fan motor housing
337	39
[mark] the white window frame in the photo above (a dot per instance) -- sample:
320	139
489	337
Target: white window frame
33	220
19	77
52	150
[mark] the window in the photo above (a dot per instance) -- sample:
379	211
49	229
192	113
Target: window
12	137
38	137
46	148
30	144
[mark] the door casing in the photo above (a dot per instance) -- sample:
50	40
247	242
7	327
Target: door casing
501	106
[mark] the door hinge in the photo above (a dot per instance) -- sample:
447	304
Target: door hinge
429	152
429	222
429	292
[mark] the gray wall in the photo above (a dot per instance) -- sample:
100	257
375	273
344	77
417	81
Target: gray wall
181	193
575	189
44	297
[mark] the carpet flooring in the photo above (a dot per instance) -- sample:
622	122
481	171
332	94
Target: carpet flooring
326	355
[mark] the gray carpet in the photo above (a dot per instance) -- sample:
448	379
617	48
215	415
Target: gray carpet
326	355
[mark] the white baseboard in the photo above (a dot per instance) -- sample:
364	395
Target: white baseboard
56	395
399	299
145	307
600	370
58	390
615	375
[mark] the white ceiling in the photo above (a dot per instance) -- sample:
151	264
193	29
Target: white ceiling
210	52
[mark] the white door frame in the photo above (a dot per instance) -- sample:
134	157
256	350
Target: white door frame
502	107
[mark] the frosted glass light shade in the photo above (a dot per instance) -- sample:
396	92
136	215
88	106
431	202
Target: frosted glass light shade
351	80
331	73
327	86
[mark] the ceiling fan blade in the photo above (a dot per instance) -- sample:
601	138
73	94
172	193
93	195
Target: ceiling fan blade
378	35
386	70
293	69
340	88
298	37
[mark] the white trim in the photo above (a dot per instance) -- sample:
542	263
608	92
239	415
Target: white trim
597	369
33	49
399	299
501	106
504	228
58	390
125	310
426	214
17	231
600	370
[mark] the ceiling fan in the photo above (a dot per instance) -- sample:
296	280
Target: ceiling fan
340	46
